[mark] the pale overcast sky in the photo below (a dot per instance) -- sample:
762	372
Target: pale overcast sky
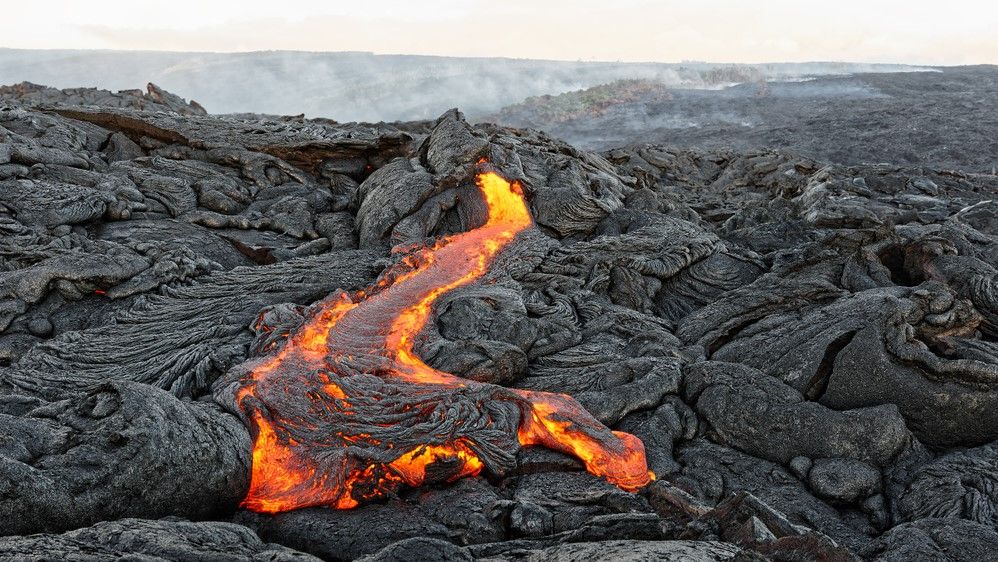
906	31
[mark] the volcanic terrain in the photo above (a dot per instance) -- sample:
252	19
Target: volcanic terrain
941	118
274	338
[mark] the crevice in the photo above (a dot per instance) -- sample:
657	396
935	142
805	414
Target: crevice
818	384
261	256
897	261
729	335
105	143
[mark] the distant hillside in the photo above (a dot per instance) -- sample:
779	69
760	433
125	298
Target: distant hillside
944	119
364	86
544	111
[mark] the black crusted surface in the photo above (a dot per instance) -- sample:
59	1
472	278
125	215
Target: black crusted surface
809	352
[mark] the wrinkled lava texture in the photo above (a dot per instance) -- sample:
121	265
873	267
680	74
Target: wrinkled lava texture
276	338
347	411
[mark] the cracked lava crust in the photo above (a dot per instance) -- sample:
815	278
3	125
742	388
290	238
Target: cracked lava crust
346	411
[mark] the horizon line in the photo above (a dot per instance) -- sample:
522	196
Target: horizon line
587	61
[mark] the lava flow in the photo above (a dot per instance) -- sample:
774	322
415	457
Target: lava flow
346	411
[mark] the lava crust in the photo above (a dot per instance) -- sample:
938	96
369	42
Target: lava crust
215	331
346	411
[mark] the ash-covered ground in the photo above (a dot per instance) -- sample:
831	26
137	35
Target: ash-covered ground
808	350
943	118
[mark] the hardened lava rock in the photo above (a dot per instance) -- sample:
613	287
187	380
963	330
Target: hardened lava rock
807	352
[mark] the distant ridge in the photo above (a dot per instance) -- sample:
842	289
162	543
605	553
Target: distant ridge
362	86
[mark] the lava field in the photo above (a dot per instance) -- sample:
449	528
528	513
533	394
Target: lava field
252	337
940	118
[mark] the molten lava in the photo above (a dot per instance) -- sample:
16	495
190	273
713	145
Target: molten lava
347	412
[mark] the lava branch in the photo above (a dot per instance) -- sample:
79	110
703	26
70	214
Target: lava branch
346	411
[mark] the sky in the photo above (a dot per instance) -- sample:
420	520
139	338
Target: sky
892	31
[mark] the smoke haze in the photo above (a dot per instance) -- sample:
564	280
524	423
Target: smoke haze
368	87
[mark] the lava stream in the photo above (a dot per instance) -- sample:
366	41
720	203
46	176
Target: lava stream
346	411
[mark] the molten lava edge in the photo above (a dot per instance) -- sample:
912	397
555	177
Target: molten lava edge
347	412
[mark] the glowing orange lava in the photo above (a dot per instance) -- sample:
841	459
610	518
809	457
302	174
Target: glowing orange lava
347	412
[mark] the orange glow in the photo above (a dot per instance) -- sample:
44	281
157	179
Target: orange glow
411	466
373	332
553	423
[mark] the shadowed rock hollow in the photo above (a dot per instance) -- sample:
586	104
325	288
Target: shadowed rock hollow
808	353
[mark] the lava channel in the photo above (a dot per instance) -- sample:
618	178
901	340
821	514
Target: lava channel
346	411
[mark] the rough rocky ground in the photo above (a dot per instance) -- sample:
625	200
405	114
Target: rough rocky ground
942	119
808	351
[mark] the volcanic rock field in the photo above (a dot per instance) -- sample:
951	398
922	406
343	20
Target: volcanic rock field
252	337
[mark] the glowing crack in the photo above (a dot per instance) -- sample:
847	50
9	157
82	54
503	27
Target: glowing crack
347	412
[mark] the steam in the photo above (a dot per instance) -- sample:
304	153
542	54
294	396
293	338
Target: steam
366	87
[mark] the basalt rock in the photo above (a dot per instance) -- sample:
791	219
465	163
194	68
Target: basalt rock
625	550
120	449
153	99
142	539
935	539
959	485
807	352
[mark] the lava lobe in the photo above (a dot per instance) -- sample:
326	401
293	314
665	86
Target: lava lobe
347	412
